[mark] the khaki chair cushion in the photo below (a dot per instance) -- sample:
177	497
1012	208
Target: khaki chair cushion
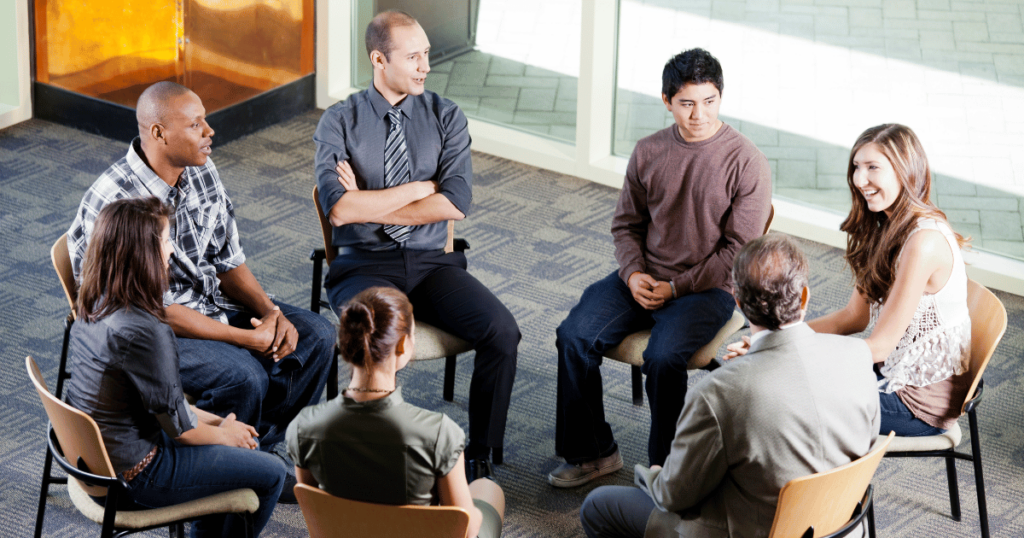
631	349
946	441
239	500
433	343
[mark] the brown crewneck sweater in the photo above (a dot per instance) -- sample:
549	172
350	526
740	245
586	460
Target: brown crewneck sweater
686	208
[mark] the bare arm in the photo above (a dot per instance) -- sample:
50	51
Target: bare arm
240	284
434	208
358	206
188	323
228	432
454	491
852	318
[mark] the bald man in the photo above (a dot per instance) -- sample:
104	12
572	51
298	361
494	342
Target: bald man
239	350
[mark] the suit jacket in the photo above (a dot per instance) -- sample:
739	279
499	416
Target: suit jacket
796	404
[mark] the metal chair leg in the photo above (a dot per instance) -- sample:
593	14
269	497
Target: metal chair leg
954	489
44	490
449	378
979	479
871	519
638	386
332	376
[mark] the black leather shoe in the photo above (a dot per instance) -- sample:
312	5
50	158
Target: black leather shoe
480	468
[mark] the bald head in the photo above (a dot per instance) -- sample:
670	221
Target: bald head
378	32
156	103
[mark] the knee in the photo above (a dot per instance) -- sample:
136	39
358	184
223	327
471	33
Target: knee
593	512
502	332
571	333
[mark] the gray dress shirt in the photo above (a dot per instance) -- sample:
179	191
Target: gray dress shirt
124	374
437	137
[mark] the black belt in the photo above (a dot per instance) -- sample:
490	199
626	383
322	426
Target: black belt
348	251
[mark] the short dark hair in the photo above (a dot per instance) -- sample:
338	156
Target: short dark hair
770	274
371	324
123	266
694	66
378	32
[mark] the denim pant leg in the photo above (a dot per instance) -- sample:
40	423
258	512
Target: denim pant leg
181	473
897	418
604	316
616	512
297	380
681	327
223	379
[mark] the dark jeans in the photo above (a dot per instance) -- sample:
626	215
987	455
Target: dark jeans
896	417
260	392
616	512
605	315
446	296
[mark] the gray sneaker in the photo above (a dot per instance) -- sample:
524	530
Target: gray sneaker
568	475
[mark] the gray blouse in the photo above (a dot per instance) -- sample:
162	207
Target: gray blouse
124	374
383	451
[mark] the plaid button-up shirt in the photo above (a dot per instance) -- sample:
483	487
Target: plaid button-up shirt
203	228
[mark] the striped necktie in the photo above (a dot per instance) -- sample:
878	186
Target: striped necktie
396	168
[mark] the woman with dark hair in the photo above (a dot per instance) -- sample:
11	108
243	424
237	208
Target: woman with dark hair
124	374
910	284
372	446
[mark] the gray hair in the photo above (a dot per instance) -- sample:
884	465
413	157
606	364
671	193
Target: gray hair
770	273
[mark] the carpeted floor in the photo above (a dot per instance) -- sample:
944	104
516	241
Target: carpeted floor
538	239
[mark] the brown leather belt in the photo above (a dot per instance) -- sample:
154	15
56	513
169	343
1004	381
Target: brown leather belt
134	471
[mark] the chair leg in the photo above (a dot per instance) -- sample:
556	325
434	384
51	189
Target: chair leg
638	387
497	457
871	519
332	376
108	515
44	491
176	530
62	368
250	529
954	489
449	378
979	479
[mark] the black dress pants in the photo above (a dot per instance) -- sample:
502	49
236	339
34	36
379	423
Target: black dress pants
446	296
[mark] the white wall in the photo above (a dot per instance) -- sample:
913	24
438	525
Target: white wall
15	75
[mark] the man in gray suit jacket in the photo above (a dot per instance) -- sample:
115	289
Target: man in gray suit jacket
797	403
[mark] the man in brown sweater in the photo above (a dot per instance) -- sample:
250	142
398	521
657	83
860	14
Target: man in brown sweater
694	194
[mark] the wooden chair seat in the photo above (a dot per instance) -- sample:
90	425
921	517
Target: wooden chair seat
328	516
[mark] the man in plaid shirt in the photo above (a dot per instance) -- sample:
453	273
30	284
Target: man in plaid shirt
240	351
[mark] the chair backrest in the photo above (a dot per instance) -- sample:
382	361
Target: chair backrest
825	500
328	230
61	259
78	434
988	323
768	223
329	516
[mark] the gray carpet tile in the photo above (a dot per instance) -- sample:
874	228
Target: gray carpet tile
538	239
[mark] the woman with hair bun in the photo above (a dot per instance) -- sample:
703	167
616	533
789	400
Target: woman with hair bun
910	285
372	446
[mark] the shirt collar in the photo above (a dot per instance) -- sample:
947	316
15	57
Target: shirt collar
156	186
761	334
381	105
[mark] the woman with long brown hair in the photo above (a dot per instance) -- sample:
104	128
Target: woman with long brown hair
370	445
910	284
124	374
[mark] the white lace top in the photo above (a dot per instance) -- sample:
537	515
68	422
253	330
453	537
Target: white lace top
937	343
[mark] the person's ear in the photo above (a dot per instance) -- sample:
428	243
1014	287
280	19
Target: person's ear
668	103
805	298
377	60
157	132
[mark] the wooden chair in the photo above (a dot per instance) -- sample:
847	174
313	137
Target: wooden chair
820	505
329	516
988	323
74	436
431	342
631	349
62	264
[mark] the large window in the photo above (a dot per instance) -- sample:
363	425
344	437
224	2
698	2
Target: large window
803	80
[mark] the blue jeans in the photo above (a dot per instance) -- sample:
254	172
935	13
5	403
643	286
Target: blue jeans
896	417
181	473
260	392
605	315
616	512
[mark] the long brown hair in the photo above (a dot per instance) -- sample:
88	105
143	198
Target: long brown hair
874	239
123	264
371	324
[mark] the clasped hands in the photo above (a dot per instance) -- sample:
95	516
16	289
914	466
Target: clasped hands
238	433
273	335
649	293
